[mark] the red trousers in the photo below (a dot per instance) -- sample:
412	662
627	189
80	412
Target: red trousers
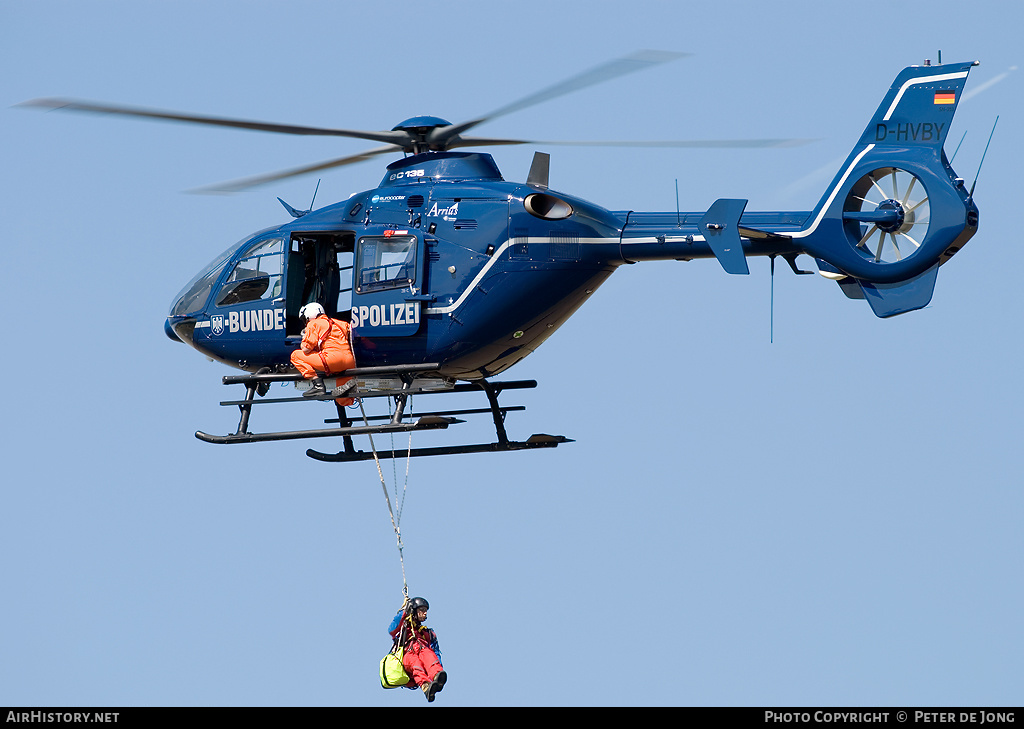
420	663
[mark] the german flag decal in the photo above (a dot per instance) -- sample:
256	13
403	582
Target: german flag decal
945	97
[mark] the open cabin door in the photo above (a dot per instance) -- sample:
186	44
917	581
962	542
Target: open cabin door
389	281
320	270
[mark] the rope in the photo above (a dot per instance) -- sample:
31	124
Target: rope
394	468
771	319
408	459
384	487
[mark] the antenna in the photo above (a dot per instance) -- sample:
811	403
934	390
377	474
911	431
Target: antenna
679	223
957	148
314	196
771	308
971	193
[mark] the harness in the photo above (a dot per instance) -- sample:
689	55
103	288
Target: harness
323	339
320	344
413	632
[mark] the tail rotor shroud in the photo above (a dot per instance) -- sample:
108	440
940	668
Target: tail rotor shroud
887	215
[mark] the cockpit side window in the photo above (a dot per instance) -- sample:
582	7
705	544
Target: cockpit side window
257	275
386	262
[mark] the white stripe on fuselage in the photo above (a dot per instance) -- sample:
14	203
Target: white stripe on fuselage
494	257
842	180
832	196
919	80
803	233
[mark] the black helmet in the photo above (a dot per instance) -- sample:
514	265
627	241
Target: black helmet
416	603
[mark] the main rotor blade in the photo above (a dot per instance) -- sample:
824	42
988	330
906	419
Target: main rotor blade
397	138
667	143
695	143
250	182
599	74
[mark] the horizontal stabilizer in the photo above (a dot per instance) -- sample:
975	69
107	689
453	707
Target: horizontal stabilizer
891	299
720	227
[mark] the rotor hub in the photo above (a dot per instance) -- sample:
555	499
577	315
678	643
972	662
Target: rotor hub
420	123
895	216
418	129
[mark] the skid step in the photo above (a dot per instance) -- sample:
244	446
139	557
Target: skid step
361	392
423	423
444	413
355	372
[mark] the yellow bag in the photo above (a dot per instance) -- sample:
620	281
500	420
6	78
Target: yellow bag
392	672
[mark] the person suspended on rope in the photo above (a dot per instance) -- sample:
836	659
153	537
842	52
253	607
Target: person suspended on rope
422	657
326	348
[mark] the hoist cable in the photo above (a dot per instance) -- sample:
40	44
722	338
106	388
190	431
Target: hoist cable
394	471
395	521
384	487
408	458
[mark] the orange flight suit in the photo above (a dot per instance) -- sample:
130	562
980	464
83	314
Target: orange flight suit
326	348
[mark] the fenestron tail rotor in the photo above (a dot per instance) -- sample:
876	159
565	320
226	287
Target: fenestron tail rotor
887	214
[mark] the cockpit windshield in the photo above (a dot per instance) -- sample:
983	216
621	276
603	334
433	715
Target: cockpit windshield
193	296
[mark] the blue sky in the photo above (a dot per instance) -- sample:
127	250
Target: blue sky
832	518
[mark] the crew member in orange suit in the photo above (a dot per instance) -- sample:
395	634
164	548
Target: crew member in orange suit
326	349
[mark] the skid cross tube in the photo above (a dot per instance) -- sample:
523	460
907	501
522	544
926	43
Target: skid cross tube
252	382
401	399
492	390
409	376
345	422
496	414
245	407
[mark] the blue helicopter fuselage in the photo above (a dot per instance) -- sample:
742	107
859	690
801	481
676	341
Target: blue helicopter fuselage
444	262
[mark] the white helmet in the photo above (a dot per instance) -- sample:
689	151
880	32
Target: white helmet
311	311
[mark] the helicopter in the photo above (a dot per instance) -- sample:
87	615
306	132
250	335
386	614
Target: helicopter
449	274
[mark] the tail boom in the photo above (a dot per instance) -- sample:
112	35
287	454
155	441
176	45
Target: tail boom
894	212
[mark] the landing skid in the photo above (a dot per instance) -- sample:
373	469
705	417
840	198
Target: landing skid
413	379
539	440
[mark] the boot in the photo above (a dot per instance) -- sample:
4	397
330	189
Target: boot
427	692
316	388
436	685
439	680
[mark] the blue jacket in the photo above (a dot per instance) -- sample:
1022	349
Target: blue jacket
424	634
